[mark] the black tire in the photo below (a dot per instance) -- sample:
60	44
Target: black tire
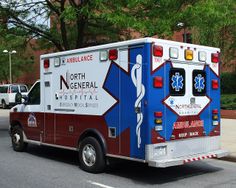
90	147
17	139
4	105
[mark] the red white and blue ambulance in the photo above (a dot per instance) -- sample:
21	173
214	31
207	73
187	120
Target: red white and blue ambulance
148	100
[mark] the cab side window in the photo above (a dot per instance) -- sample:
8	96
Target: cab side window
34	95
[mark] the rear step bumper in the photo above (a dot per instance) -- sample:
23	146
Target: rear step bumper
186	159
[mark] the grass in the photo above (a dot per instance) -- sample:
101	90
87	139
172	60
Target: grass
228	101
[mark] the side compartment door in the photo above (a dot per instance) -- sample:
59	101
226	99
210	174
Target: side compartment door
132	92
49	116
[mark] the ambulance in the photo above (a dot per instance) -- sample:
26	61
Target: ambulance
148	100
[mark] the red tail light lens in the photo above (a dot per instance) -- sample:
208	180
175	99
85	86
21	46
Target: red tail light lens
215	111
157	51
214	84
46	63
215	57
158	82
158	114
113	54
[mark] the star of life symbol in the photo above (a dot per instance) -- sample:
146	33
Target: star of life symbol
199	83
177	81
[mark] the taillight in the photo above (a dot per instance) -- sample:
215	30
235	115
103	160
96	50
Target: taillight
158	82
214	84
46	63
215	120
158	121
158	114
215	57
215	111
113	54
157	51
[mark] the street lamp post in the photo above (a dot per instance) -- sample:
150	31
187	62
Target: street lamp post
181	25
9	53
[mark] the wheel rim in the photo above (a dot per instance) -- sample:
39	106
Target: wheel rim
89	155
16	138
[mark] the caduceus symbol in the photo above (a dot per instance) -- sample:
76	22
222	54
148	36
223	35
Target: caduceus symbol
136	75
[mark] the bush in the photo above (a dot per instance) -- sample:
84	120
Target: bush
228	101
228	83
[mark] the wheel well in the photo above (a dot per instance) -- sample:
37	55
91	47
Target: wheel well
96	134
15	124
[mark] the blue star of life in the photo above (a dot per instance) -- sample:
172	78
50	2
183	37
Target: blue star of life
177	81
199	83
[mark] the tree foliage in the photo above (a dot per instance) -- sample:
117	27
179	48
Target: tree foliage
12	40
78	23
74	23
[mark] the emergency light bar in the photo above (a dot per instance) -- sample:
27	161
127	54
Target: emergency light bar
46	63
103	55
188	54
174	53
113	54
202	56
215	57
157	51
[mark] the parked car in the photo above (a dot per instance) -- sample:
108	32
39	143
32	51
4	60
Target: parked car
8	94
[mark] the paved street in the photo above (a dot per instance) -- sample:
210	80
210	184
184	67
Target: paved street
41	167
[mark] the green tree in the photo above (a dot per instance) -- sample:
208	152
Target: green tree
213	23
75	24
20	60
78	23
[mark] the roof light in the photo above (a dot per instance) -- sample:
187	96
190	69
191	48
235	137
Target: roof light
188	54
202	56
57	62
174	53
46	63
103	55
113	54
157	51
158	82
215	57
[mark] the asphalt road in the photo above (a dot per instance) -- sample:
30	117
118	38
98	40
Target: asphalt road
47	167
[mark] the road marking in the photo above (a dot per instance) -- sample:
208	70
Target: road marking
99	184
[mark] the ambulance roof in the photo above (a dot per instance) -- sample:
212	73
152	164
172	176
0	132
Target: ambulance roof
128	43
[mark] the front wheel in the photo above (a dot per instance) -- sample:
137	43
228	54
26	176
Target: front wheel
91	155
17	139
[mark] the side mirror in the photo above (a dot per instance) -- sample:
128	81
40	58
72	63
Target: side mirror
18	98
24	99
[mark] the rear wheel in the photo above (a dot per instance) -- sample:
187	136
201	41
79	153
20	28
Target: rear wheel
17	139
91	155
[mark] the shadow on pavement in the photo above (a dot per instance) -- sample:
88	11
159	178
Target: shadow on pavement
142	173
137	172
61	155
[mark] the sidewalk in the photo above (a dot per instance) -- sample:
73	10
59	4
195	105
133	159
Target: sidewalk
228	139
